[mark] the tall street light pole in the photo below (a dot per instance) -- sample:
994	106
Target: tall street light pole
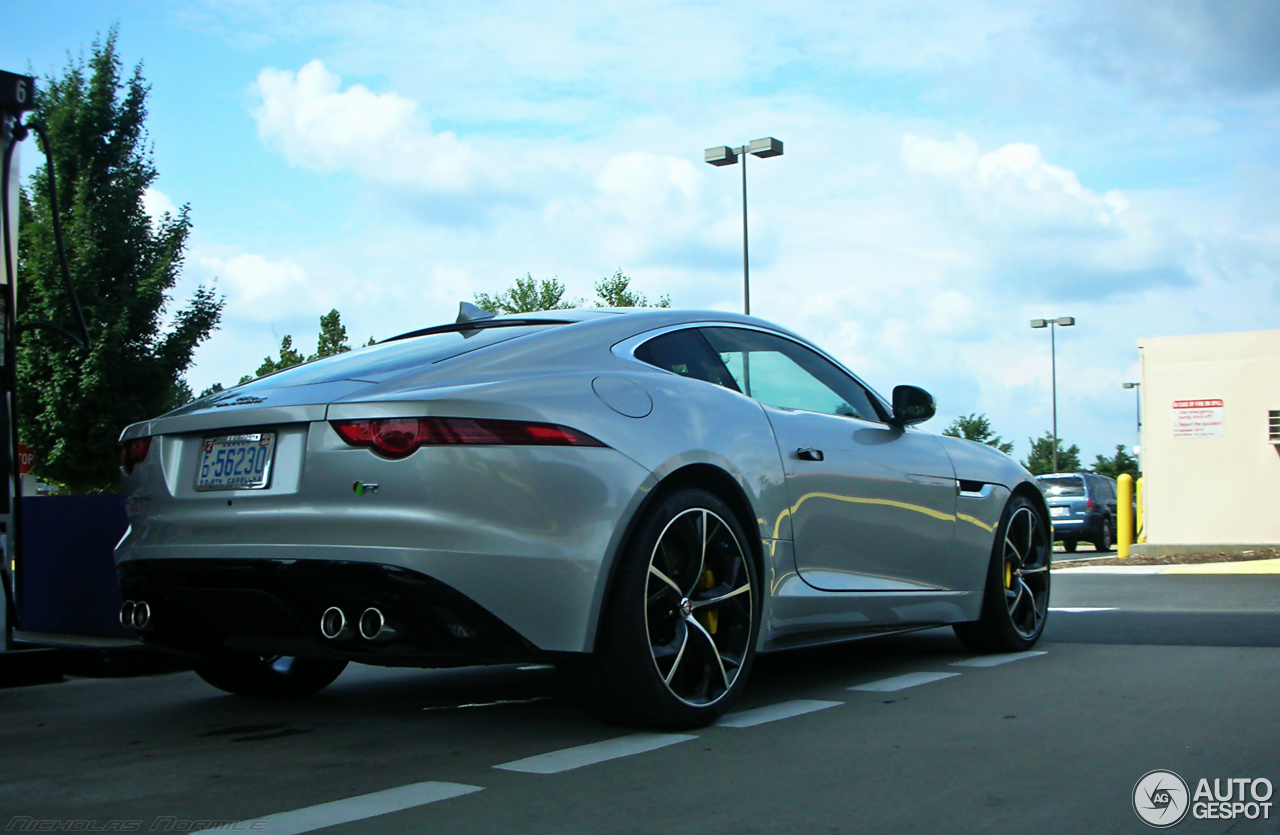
1137	409
724	155
1066	322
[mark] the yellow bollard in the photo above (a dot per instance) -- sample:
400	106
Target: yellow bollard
1142	510
1124	515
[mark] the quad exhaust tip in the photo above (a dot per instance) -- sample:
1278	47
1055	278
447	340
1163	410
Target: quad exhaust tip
372	624
333	624
135	615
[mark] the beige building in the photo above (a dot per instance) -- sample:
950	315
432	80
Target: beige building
1211	439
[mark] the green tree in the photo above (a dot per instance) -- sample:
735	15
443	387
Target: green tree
527	295
331	340
289	357
333	336
73	403
615	291
1121	462
976	427
1040	461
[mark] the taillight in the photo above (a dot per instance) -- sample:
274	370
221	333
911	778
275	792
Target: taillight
1089	505
133	452
401	437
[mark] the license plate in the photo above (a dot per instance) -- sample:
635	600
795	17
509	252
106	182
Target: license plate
1059	511
236	462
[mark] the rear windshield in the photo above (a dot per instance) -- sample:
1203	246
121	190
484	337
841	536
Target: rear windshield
387	359
1071	485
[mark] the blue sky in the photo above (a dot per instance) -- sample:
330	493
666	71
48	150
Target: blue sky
951	171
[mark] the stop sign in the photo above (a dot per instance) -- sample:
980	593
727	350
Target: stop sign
26	459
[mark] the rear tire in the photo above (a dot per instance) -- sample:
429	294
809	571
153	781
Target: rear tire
1103	542
269	677
678	636
1069	545
1015	602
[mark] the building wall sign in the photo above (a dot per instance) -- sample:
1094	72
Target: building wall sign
1198	418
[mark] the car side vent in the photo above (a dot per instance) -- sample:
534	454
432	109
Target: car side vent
1274	425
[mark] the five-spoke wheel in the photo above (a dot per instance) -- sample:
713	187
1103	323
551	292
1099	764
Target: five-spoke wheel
1026	572
699	607
680	627
1016	598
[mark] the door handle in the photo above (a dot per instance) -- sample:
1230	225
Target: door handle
808	453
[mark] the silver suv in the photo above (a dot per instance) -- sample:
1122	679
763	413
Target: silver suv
1082	506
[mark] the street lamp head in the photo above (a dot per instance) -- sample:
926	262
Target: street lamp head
1130	385
1065	321
767	147
1039	323
721	155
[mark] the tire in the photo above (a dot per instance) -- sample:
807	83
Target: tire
1069	545
269	677
1015	601
679	632
1103	542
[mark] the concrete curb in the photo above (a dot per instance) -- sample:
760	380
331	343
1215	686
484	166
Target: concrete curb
1147	549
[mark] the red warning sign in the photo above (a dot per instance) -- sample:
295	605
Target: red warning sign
1199	418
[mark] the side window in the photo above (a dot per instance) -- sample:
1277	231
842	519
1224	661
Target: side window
779	372
686	352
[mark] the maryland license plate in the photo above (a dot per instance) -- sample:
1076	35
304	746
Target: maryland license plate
236	462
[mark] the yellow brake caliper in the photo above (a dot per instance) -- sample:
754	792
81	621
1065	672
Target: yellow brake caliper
1008	576
709	619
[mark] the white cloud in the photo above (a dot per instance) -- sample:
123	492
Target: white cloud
156	204
1036	220
379	136
258	287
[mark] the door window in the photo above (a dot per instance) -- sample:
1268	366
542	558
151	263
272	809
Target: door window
782	373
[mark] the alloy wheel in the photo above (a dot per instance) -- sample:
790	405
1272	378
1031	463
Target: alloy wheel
699	607
1026	572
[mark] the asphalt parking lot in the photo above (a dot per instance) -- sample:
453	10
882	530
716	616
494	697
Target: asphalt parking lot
1137	671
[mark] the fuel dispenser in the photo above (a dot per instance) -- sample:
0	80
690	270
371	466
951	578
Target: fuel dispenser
17	94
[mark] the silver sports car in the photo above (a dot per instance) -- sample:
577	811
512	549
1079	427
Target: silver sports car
645	498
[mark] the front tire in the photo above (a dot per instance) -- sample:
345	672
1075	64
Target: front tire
269	677
679	634
1015	602
1069	545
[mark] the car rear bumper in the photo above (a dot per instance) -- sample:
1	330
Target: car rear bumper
273	607
1087	528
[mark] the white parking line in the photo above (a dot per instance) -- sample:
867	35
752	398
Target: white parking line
359	808
892	685
772	713
996	660
1077	609
597	752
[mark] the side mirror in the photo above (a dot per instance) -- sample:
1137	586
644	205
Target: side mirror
912	405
